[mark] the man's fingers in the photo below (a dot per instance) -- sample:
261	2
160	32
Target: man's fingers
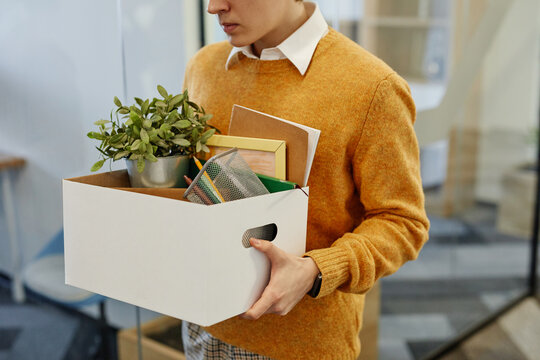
264	303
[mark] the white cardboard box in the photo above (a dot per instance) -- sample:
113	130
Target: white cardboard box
177	258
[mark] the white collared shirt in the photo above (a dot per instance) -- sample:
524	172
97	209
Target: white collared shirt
298	47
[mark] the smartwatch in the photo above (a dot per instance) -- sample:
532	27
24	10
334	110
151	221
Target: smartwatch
316	286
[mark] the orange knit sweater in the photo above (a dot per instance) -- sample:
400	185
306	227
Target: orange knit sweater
366	207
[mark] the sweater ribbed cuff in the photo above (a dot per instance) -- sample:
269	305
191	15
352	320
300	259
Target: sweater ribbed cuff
334	267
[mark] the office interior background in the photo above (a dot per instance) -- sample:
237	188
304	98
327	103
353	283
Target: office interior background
473	68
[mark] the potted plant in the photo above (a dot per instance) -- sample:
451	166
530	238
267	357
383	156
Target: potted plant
156	137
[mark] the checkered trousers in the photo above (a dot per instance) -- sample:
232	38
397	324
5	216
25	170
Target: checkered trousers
200	345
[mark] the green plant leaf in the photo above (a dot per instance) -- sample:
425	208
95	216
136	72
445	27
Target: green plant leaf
181	142
215	128
144	106
147	123
103	152
153	135
193	105
144	136
140	164
182	124
189	112
135	117
116	138
120	155
173	116
135	109
198	146
207	134
165	127
142	147
123	111
162	144
161	104
205	118
185	108
101	122
205	148
139	101
162	91
150	157
97	165
176	100
135	145
117	102
96	135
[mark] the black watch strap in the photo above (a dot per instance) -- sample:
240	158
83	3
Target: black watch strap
316	286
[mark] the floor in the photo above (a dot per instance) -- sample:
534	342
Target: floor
514	336
38	329
465	272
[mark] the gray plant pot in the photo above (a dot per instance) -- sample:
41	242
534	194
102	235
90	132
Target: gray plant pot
167	172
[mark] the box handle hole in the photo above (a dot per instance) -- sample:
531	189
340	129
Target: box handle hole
266	232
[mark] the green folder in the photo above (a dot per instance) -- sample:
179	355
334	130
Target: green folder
274	184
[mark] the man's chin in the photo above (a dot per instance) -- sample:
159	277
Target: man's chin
236	42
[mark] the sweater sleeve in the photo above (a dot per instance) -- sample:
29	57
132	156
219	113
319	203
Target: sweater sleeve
386	171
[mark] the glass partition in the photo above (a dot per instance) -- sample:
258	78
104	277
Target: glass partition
474	79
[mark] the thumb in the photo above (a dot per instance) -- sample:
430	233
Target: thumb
265	247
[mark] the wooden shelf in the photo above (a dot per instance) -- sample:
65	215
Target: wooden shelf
412	36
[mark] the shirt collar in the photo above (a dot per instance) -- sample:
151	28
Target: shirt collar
298	47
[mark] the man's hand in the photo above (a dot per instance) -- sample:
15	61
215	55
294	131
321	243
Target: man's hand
291	277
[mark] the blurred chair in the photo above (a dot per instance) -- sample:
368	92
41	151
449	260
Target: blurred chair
45	276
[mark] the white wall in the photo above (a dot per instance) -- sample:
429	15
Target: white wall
154	37
509	108
60	67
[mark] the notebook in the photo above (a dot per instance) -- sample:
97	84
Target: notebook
301	140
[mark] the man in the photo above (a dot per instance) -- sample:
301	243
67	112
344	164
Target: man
366	208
